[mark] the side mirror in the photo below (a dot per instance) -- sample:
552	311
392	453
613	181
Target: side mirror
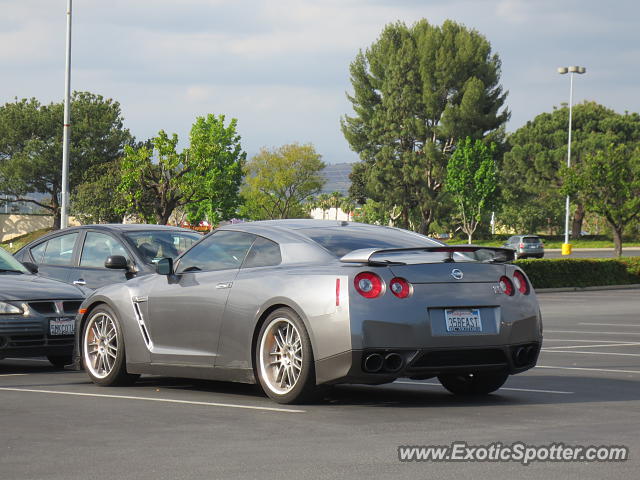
116	262
32	267
164	266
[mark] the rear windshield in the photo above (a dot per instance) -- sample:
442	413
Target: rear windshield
156	244
342	240
530	240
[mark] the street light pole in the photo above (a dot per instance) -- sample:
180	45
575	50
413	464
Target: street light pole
64	220
566	247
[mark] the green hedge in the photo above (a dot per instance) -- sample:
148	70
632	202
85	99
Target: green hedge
564	272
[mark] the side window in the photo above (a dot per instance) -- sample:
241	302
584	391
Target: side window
59	250
263	253
97	247
223	250
37	252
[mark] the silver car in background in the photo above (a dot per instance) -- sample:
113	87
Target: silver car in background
297	304
526	246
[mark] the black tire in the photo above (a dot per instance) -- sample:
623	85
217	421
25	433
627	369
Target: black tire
473	383
59	361
117	374
303	389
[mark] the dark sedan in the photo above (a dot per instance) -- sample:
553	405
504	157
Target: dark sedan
78	255
36	314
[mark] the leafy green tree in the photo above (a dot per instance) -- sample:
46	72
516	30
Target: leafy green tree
204	178
97	200
530	173
31	145
612	178
278	182
472	181
416	92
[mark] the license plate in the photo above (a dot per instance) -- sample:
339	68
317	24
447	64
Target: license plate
462	320
62	326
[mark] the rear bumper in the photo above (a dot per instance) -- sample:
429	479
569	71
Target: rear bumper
349	367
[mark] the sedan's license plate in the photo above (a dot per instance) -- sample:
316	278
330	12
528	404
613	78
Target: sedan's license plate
62	326
460	320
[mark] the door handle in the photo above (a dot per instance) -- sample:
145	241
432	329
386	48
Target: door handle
80	281
224	285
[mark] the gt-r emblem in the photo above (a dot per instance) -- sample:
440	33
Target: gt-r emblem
457	274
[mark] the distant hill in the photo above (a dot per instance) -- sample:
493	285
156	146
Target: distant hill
337	175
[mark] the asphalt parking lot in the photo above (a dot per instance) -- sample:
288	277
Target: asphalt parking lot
586	391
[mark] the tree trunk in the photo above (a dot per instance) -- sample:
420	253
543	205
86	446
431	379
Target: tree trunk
469	235
578	218
617	240
57	213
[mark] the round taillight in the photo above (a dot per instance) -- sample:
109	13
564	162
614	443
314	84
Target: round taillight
521	283
400	287
507	286
368	284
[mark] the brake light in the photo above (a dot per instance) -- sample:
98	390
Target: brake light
521	283
506	286
522	245
368	284
400	287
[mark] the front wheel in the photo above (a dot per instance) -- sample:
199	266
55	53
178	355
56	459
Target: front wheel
473	383
103	349
284	358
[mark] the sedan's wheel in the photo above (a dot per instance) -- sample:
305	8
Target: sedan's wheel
103	349
59	361
473	383
284	358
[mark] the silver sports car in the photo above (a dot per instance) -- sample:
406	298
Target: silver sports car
298	304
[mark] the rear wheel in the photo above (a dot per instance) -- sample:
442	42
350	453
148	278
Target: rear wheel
473	383
284	359
103	349
59	361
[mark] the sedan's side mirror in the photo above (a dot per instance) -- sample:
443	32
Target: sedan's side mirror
164	266
116	262
32	267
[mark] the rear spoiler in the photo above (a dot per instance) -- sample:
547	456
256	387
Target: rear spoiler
498	255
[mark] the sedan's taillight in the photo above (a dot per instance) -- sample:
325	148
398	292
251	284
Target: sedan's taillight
368	284
521	283
400	287
522	245
507	286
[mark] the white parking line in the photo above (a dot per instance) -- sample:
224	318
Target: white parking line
592	333
165	400
592	353
13	374
618	344
534	390
588	369
609	324
580	340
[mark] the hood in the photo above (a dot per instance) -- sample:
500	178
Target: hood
32	287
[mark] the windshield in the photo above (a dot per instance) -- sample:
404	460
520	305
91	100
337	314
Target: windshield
530	240
157	244
10	264
342	240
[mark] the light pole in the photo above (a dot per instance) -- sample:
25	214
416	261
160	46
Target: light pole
566	246
64	220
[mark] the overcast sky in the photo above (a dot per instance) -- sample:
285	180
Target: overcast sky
281	66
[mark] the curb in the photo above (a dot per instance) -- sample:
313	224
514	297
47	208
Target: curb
588	289
603	249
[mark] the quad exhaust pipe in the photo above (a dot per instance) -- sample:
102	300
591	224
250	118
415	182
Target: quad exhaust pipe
373	363
524	355
390	363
